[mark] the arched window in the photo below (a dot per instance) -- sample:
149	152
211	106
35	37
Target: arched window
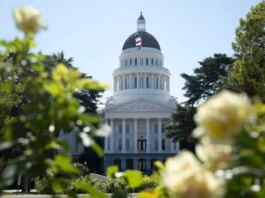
130	61
147	82
126	62
127	144
152	61
146	61
156	62
135	61
135	82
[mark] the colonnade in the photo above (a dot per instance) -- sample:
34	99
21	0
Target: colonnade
141	80
110	148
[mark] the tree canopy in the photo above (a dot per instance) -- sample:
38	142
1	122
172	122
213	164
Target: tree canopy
207	80
248	72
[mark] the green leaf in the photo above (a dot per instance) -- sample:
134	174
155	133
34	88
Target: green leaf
64	164
64	145
39	67
97	149
159	165
8	86
111	170
134	178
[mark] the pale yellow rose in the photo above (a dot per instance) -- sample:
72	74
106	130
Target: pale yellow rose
28	19
184	177
215	156
222	116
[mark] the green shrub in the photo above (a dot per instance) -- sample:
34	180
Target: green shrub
109	186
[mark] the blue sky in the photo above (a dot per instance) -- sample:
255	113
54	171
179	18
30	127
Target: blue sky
93	32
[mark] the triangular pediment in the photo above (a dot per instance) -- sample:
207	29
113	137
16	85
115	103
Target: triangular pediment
140	105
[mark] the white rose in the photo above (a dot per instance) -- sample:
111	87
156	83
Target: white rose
215	156
222	116
184	177
28	19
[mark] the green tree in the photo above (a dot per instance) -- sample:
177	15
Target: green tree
248	72
87	98
207	80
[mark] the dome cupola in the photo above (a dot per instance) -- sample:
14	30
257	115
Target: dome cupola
147	39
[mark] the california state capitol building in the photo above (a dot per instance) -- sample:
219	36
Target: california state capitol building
140	107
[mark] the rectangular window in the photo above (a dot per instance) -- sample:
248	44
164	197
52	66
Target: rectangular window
162	128
142	82
127	128
125	62
163	144
130	61
156	83
146	61
156	128
152	61
141	145
120	128
135	82
156	62
135	61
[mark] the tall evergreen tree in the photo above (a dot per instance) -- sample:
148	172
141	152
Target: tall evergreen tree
207	80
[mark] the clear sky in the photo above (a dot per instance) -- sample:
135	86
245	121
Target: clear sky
93	32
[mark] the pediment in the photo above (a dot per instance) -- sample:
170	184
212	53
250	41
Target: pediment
140	105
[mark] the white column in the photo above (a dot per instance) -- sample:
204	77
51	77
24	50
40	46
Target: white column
112	136
147	136
135	136
159	136
138	80
106	140
130	81
154	82
153	78
118	84
168	84
114	83
123	136
123	77
144	79
172	150
163	82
